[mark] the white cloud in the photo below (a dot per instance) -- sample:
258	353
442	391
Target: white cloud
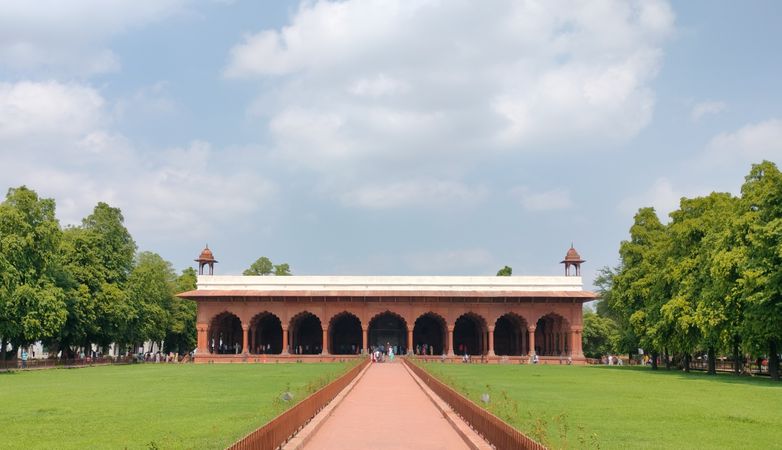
663	196
471	260
430	87
71	36
54	138
749	144
705	108
437	193
543	201
29	109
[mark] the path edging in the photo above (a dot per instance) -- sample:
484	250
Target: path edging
300	439
467	433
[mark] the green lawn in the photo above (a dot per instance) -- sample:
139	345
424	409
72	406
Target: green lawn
148	405
615	407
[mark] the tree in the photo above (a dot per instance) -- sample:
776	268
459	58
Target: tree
99	256
32	305
600	335
150	291
638	290
282	269
261	266
505	272
182	336
761	279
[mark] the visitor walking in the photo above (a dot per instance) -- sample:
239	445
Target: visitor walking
24	359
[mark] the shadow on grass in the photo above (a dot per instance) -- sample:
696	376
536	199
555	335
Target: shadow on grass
725	378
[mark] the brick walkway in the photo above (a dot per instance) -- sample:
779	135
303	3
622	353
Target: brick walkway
386	410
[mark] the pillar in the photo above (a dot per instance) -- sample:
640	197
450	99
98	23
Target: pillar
577	350
364	340
531	341
203	344
285	341
450	341
409	341
491	341
245	338
324	347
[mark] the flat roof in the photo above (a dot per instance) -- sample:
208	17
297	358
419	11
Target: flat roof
210	286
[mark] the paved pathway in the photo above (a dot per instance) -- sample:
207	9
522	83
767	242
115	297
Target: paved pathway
386	410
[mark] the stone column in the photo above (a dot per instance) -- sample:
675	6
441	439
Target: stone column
324	350
245	338
285	341
491	342
531	341
577	350
203	344
450	341
364	340
409	341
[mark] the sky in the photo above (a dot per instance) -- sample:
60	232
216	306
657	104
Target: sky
386	137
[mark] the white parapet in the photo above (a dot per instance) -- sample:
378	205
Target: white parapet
360	284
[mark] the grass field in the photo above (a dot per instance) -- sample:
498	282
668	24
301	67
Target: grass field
614	407
148	405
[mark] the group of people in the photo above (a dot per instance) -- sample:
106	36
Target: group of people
611	360
382	353
158	357
424	349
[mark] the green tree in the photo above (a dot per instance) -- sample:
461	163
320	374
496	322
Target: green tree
761	207
505	271
282	269
99	256
182	336
600	335
150	291
32	305
261	266
638	290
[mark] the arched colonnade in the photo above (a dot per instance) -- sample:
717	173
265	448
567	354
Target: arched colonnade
344	333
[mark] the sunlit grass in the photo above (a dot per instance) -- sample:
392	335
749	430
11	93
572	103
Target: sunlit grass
149	405
614	407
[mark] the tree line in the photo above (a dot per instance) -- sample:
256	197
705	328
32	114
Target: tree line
707	282
80	285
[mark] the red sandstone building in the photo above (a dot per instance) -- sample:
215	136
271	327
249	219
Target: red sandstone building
258	319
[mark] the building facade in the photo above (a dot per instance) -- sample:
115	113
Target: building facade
267	318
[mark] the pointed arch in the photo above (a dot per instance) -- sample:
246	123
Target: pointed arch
511	335
386	329
344	334
265	334
224	334
551	335
470	334
430	331
305	334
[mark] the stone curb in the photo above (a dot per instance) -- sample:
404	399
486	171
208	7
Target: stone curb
305	434
470	436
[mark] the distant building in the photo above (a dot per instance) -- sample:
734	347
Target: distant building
252	318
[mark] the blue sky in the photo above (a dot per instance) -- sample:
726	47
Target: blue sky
386	137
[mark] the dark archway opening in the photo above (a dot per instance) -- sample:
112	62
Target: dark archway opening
266	334
306	335
225	334
387	329
551	336
510	336
345	335
429	333
469	335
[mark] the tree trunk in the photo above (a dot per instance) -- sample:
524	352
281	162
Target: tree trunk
711	354
686	362
736	356
654	360
773	360
667	360
4	345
